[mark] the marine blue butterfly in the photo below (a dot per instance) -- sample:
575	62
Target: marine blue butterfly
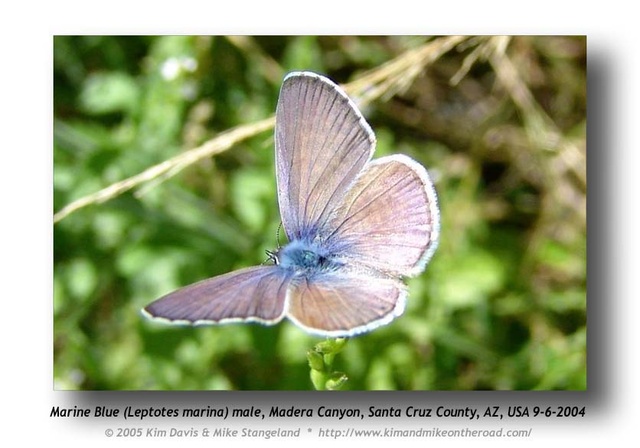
356	227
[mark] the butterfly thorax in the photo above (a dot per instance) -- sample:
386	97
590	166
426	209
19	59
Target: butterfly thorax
304	258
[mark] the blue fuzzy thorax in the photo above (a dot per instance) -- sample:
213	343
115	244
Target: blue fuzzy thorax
305	258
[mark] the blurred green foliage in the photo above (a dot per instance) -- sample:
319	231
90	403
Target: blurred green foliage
502	305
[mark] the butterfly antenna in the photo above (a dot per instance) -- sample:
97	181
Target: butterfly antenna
271	255
278	235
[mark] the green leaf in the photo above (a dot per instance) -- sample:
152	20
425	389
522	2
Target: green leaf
104	93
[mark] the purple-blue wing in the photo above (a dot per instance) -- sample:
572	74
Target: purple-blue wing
255	294
322	142
389	221
344	304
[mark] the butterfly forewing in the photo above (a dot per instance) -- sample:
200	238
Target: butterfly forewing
251	294
389	219
322	143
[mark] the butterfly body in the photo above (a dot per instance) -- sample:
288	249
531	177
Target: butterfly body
305	259
356	227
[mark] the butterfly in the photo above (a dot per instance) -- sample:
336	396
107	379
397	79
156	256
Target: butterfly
356	227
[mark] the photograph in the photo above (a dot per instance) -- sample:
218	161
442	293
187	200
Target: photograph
330	212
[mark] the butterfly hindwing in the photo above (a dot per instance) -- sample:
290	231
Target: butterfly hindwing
344	304
389	220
